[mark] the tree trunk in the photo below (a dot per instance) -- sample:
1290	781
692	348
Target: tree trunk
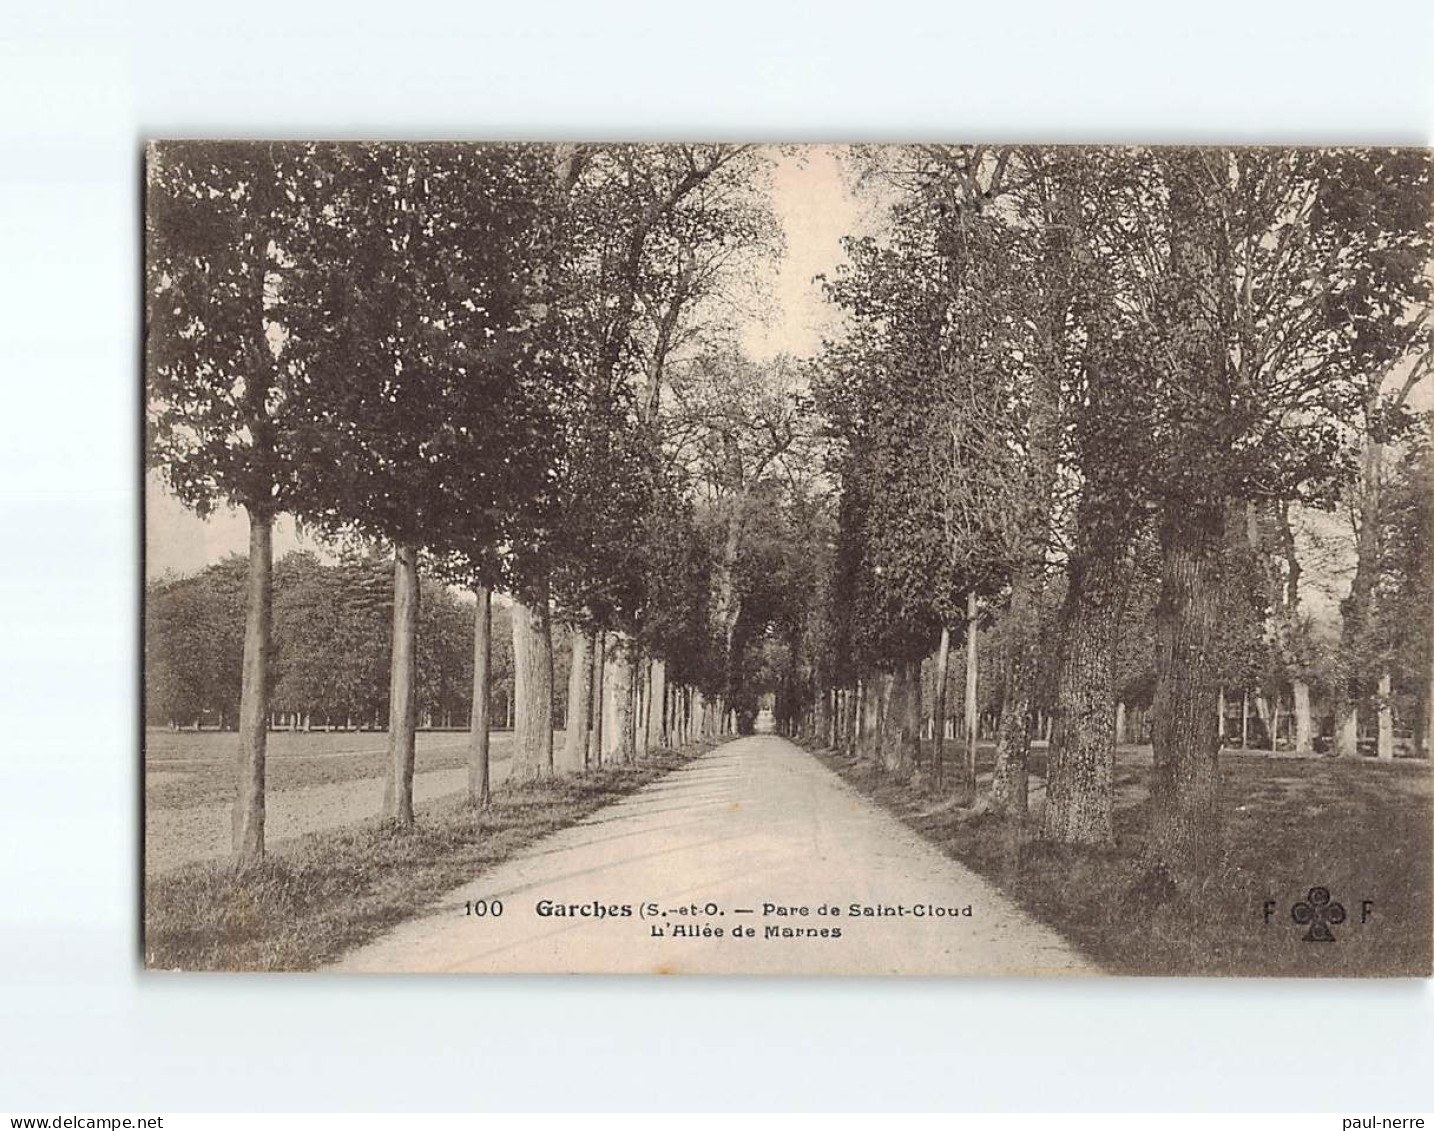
1385	748
872	738
656	702
822	722
667	731
938	723
1010	779
1268	715
620	741
1346	734
858	734
632	727
1184	786
480	792
247	819
532	691
1304	723
851	708
896	716
971	716
1429	656
727	599
596	685
575	740
402	689
886	692
1196	309
915	714
657	729
1080	755
1357	609
641	701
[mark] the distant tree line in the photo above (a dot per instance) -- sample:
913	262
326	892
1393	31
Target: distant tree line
330	644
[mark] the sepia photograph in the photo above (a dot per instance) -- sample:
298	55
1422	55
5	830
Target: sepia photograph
717	558
643	558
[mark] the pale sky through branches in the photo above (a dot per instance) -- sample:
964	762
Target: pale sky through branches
817	210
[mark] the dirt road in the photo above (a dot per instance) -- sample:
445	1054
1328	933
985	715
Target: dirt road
741	840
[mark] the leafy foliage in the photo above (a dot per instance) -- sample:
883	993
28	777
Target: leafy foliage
332	624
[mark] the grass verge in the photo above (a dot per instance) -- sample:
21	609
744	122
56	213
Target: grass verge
1362	830
329	892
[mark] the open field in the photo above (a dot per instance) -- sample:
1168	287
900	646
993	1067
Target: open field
185	768
1363	830
315	782
315	897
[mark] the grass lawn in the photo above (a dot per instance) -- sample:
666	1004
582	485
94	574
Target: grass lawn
1363	830
184	768
327	892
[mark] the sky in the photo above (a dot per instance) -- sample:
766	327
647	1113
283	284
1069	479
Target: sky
815	210
178	541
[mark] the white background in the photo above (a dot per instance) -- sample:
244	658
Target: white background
81	84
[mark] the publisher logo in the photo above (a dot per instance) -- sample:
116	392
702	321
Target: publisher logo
1319	912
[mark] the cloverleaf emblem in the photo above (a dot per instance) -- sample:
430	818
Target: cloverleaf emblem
1318	912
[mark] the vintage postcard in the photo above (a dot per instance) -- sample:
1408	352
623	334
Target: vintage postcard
788	559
